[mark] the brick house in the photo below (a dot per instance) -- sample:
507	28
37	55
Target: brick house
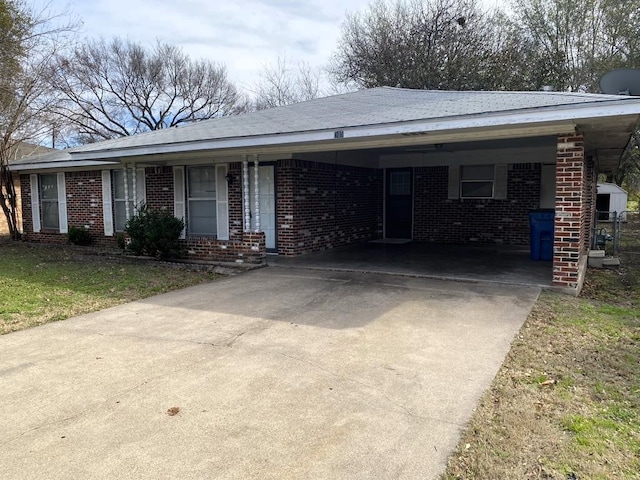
430	166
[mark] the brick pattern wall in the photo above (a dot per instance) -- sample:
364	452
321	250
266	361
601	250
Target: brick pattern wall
84	209
438	219
235	203
573	207
322	206
247	248
84	202
159	186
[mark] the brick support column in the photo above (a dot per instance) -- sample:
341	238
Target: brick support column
573	208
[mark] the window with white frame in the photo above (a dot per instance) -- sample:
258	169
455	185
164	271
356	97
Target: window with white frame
121	201
49	207
122	198
48	202
201	200
476	181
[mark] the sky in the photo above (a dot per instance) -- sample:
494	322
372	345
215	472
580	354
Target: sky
244	35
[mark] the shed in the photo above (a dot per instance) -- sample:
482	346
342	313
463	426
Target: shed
611	198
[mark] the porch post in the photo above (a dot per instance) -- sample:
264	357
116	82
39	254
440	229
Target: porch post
245	188
571	211
127	212
256	189
134	186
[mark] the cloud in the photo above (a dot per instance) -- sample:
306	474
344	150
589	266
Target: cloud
243	35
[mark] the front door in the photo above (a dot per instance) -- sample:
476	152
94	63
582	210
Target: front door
399	203
267	196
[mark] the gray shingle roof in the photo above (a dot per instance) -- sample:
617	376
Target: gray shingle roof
362	108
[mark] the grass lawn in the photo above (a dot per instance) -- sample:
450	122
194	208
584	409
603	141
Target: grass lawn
40	284
566	402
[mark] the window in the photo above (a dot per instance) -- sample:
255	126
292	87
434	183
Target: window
125	198
49	202
476	181
120	199
400	183
201	200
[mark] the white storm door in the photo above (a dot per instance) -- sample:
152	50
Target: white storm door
267	196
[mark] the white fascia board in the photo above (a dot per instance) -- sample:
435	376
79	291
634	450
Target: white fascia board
547	121
70	164
354	138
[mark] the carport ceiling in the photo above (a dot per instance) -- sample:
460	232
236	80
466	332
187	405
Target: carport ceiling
607	138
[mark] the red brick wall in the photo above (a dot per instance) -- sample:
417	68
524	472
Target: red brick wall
322	206
84	209
574	198
245	248
235	203
84	203
438	219
159	186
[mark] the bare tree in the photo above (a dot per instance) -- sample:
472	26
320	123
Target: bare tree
283	84
435	44
577	41
119	88
29	39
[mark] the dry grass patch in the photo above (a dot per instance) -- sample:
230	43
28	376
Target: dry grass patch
40	284
566	402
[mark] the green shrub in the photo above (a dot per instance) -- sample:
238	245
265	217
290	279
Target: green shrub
79	236
155	233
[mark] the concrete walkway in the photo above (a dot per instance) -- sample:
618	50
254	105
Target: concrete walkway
274	374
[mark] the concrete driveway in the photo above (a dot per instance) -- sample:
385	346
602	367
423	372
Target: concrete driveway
277	373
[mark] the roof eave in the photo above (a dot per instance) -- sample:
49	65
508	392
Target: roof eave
61	165
522	123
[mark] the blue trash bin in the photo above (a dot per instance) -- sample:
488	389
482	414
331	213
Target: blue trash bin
541	234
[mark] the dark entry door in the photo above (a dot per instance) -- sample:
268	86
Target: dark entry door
399	203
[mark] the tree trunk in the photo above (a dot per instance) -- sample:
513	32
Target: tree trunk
9	201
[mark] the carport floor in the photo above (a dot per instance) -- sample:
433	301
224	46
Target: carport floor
470	262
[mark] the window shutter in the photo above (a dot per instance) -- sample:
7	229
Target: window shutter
178	195
222	202
501	173
107	204
141	188
35	202
454	182
62	203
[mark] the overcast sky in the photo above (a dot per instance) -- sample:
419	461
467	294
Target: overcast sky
242	34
